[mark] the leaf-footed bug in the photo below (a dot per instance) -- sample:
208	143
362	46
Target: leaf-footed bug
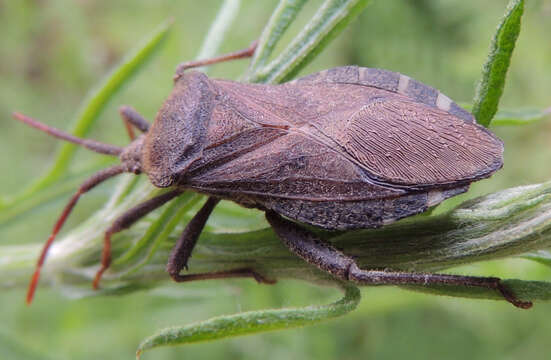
345	148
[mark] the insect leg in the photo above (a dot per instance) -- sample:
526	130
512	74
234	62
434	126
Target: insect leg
235	273
124	222
132	117
307	246
86	186
181	252
245	53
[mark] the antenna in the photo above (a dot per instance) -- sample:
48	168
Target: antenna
95	146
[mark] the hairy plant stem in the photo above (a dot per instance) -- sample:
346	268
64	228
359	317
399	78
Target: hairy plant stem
506	223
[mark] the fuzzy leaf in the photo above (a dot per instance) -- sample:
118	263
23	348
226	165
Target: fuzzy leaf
282	17
332	17
142	251
508	223
251	322
220	26
541	256
494	72
520	117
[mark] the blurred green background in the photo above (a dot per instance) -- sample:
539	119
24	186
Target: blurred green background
54	51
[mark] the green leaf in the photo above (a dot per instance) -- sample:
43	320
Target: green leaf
141	252
95	103
251	322
515	117
520	117
331	18
523	290
541	256
218	30
282	17
490	87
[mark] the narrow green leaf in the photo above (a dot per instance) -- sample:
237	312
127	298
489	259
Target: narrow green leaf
523	289
520	117
218	30
494	72
332	17
97	100
515	117
541	256
158	231
252	322
282	17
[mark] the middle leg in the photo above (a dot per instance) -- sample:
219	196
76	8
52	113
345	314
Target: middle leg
181	252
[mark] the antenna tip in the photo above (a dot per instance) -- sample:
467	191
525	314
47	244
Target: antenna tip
23	118
32	287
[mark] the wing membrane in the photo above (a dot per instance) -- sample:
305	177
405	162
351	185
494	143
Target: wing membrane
403	142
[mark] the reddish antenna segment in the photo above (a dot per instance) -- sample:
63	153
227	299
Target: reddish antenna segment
95	146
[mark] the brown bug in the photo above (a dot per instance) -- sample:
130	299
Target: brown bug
345	148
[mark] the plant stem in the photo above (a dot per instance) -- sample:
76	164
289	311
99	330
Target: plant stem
510	222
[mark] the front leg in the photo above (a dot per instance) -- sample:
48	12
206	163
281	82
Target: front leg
181	251
126	220
316	252
131	117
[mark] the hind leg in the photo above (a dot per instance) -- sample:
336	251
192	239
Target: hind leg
307	246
